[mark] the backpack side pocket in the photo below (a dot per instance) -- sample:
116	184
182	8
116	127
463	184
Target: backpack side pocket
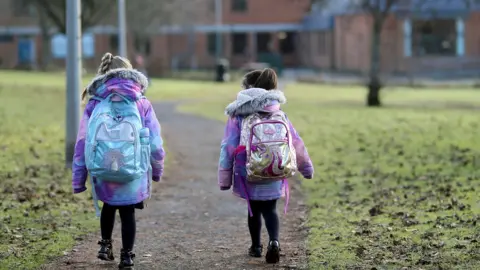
145	149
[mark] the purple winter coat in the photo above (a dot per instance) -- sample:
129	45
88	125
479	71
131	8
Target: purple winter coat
131	84
232	164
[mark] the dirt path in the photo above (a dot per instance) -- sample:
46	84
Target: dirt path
190	223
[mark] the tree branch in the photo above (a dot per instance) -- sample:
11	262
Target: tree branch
48	6
92	12
388	6
371	6
96	12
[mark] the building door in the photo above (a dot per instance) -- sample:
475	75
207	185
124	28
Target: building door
26	51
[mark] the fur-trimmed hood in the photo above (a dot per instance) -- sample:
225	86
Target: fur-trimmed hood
255	100
130	83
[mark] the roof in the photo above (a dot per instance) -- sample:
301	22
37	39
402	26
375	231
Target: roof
416	8
317	21
435	8
322	15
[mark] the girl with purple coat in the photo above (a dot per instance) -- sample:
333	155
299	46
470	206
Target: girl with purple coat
116	75
259	95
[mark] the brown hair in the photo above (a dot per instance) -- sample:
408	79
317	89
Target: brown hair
266	79
108	63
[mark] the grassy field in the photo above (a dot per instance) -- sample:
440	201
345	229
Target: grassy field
39	216
394	187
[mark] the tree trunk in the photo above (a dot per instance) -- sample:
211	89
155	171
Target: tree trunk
374	84
46	42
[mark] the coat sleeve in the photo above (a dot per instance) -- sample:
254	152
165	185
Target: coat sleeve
79	169
230	142
304	163
157	157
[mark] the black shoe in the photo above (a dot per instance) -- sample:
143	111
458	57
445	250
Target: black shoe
126	259
273	252
255	251
105	253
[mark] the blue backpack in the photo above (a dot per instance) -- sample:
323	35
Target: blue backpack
117	147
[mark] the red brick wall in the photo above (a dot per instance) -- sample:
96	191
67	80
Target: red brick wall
163	48
353	40
8	18
352	35
8	54
472	35
316	50
267	11
348	46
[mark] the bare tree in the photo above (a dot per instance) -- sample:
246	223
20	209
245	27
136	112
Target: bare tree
52	13
378	10
45	34
146	17
93	11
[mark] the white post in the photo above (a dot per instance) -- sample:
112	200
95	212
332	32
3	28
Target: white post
407	37
218	24
122	29
460	26
74	76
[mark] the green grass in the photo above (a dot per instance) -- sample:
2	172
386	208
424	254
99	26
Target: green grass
39	216
394	187
161	89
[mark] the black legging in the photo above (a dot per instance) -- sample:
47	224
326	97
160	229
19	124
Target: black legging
269	211
127	216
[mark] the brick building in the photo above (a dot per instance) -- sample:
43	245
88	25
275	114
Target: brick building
290	33
251	30
436	37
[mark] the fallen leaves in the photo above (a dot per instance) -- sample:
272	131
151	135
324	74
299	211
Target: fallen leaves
392	194
39	215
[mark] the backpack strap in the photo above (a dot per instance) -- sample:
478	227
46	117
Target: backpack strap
97	98
287	195
138	107
95	198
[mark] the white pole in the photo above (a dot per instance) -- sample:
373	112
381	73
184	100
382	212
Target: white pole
407	37
218	24
460	27
74	76
122	29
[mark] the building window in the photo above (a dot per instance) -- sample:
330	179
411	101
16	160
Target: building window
142	44
114	42
322	43
212	43
239	5
434	37
287	42
58	46
239	43
263	42
6	38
